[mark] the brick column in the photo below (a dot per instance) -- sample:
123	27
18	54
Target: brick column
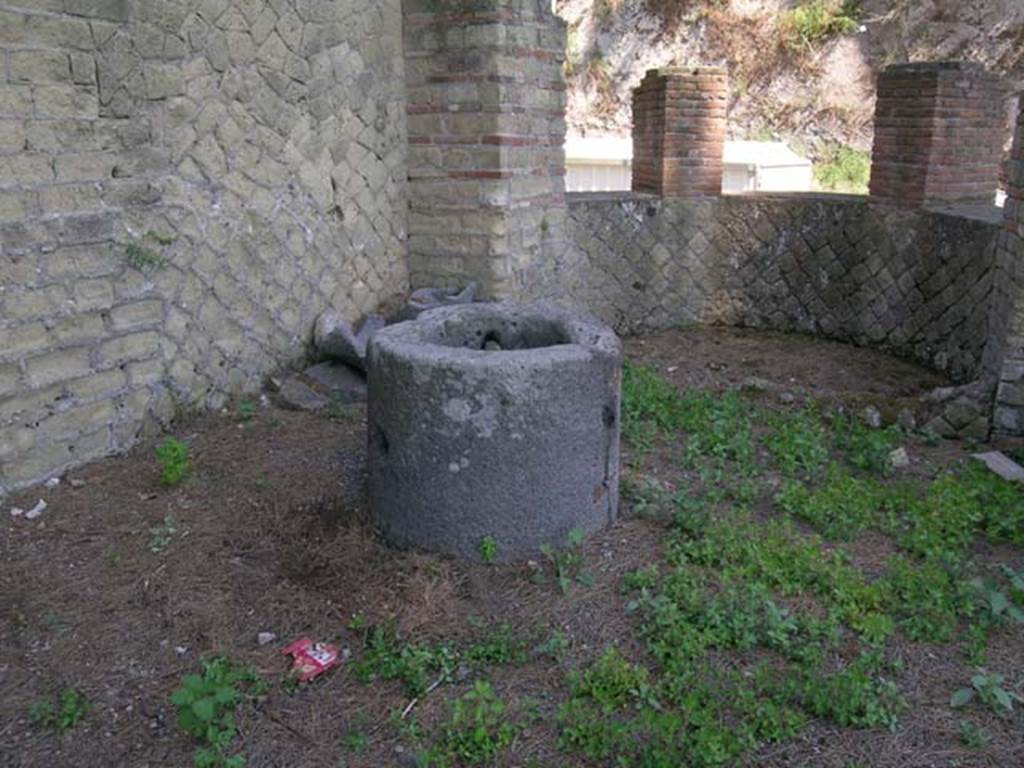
939	133
1006	320
679	124
486	104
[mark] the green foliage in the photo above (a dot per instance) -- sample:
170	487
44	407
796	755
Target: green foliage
419	665
555	646
206	705
72	706
142	258
247	410
175	461
477	731
568	562
973	737
797	442
841	508
989	689
642	578
866	448
160	536
844	169
488	549
813	21
356	741
926	598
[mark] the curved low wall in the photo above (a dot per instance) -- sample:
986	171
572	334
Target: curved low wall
915	283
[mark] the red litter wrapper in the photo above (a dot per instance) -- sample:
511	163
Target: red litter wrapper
311	659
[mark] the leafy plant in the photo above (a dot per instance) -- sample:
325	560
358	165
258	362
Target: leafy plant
477	731
989	688
142	258
72	706
844	169
973	737
160	536
555	646
175	461
488	549
206	704
568	562
815	20
797	442
247	410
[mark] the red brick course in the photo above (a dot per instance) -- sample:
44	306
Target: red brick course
939	133
679	127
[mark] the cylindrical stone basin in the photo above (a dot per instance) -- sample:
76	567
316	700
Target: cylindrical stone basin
493	420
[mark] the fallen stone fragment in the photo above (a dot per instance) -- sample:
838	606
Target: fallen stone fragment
36	511
336	338
872	417
299	396
338	381
1002	465
431	298
266	638
899	458
906	419
17	511
53	482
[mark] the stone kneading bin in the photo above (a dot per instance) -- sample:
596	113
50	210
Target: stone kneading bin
497	420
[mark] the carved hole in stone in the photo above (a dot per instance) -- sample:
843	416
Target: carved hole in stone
608	415
497	334
380	441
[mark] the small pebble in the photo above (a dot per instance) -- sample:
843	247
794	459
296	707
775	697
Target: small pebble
899	458
53	482
266	638
36	511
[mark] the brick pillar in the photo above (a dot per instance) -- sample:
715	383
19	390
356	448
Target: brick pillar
679	124
486	122
939	133
1006	320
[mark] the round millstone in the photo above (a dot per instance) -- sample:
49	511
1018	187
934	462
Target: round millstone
495	421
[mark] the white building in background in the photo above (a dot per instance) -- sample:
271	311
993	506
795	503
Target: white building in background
598	163
764	166
603	164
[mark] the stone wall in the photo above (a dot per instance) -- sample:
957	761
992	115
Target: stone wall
1005	356
916	283
184	186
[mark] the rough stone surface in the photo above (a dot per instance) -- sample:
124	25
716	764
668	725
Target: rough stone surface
916	283
335	338
519	444
297	395
338	381
252	154
425	299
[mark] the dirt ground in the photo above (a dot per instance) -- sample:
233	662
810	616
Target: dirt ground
270	536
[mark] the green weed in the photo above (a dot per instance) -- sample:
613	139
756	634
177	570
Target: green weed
477	731
844	169
160	536
488	549
206	705
797	442
568	562
71	708
989	689
813	21
175	461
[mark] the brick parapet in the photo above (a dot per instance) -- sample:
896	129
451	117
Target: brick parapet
679	128
939	132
